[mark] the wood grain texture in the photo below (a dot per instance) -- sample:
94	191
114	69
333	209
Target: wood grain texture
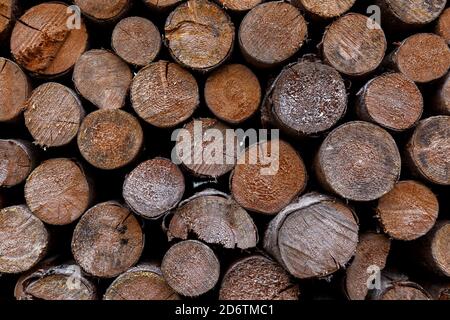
396	286
162	5
443	25
239	5
8	11
441	101
324	9
17	159
103	10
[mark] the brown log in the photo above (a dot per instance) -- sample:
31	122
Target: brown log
391	101
441	103
199	35
431	163
136	40
372	251
164	94
354	44
58	191
257	278
110	139
43	43
191	268
103	11
271	33
409	211
8	11
264	187
17	159
144	282
358	161
53	115
154	187
308	98
233	93
443	25
395	286
107	240
239	5
313	237
161	5
324	9
23	240
423	57
15	88
214	218
102	78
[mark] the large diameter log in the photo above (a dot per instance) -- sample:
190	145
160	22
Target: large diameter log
428	150
103	11
107	240
441	103
43	43
354	44
313	237
8	11
324	9
199	35
23	240
161	5
443	25
395	286
239	5
271	33
358	161
257	278
214	218
17	159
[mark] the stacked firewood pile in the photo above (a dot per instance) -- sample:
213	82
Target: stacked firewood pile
126	149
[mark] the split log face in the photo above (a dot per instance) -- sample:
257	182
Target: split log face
102	78
53	115
443	25
136	40
442	98
199	35
23	240
271	33
409	211
215	218
154	187
358	161
265	187
398	287
233	93
325	9
432	164
144	282
239	5
161	5
58	192
7	16
103	10
372	250
17	160
42	42
110	139
191	268
107	240
422	57
313	237
257	278
391	101
14	89
164	94
354	45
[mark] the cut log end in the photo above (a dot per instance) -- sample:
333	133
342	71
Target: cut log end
325	9
395	286
161	5
411	14
443	25
7	17
103	10
441	103
239	5
17	160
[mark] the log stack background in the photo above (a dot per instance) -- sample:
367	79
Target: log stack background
86	121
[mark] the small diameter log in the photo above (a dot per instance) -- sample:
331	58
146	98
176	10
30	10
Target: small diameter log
233	93
423	57
372	252
17	160
103	11
14	89
257	278
136	40
409	211
102	78
58	191
239	5
8	10
397	287
354	44
268	176
391	101
313	237
45	43
154	187
110	139
441	103
23	240
307	99
161	5
214	218
324	9
271	33
358	161
443	25
144	282
199	35
428	150
164	94
63	282
191	268
107	240
53	115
